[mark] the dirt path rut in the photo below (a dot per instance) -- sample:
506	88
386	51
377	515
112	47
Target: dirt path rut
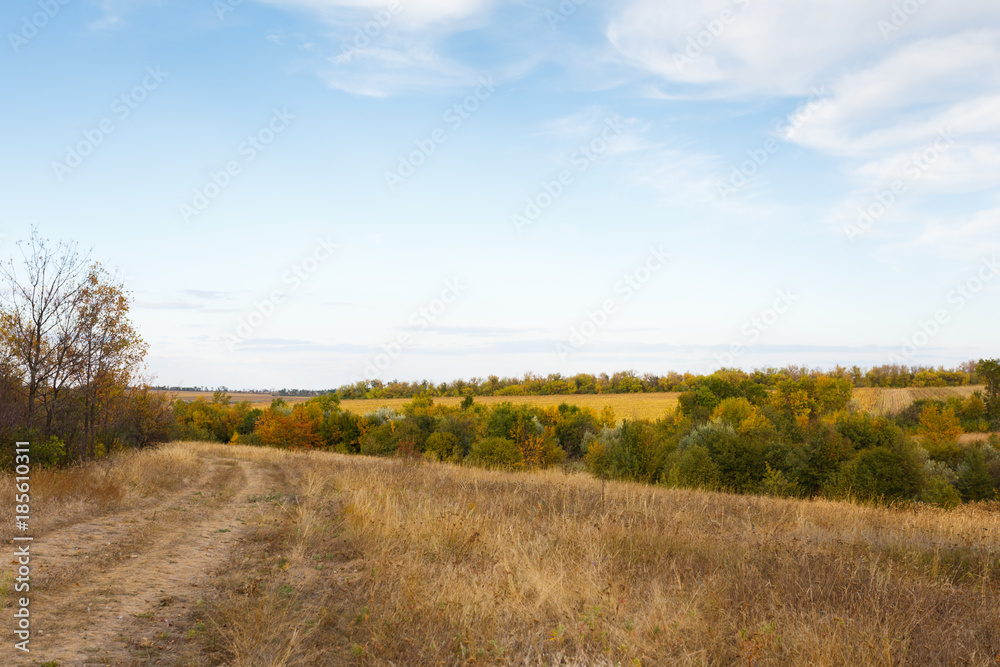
101	582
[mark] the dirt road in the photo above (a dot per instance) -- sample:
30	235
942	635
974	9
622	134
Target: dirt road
118	588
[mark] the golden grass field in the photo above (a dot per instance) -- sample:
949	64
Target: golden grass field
626	406
233	555
882	401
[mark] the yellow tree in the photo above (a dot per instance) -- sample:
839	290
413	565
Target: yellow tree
108	352
939	430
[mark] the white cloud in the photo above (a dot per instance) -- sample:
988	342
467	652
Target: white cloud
969	239
742	47
909	97
781	47
407	14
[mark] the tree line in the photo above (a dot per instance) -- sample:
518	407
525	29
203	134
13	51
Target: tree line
800	438
626	382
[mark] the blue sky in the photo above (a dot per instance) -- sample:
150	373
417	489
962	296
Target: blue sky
302	193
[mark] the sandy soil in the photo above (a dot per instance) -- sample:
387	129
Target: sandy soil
97	585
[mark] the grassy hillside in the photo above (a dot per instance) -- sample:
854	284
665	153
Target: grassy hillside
323	559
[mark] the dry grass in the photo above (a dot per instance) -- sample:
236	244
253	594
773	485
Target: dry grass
124	481
883	401
438	564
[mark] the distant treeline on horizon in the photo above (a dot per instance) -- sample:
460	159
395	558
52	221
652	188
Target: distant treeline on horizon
624	382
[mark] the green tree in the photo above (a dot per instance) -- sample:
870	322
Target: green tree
989	374
974	481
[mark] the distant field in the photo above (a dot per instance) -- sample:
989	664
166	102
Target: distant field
891	401
237	396
626	406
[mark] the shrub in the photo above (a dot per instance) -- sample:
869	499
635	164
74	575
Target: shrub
694	468
733	411
867	432
445	446
494	452
379	441
974	480
882	472
941	493
383	415
776	484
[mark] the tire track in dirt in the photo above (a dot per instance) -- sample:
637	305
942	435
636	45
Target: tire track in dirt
101	575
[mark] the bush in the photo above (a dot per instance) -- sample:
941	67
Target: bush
941	493
444	446
776	484
379	441
694	468
494	452
597	451
868	432
881	472
49	451
180	431
974	480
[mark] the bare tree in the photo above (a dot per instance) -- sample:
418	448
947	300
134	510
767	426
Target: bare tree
37	318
